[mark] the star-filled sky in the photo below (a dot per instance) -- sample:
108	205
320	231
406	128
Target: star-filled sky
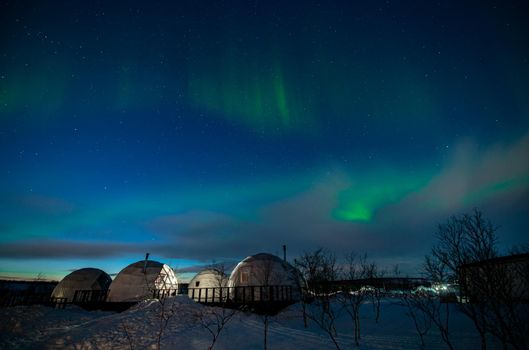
205	131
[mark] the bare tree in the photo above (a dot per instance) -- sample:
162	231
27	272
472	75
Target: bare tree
167	310
320	270
215	319
353	295
377	293
409	300
163	310
165	307
267	276
324	313
318	267
505	312
421	320
40	276
128	336
438	313
464	239
491	292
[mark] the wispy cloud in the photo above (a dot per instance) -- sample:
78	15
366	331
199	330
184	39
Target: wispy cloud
475	175
62	249
400	231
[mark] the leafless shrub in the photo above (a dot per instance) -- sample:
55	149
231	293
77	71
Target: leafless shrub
354	295
128	336
421	321
215	319
320	270
491	292
376	293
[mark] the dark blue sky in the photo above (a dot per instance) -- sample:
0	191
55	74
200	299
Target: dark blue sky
203	131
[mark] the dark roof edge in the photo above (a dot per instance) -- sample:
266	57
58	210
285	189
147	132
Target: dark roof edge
499	259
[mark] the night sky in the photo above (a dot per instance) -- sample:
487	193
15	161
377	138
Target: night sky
207	131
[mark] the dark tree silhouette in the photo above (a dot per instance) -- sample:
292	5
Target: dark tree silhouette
320	270
491	292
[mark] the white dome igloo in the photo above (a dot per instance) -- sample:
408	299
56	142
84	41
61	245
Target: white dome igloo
91	280
140	281
265	270
215	281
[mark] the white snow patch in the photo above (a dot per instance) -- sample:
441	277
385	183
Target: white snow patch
31	327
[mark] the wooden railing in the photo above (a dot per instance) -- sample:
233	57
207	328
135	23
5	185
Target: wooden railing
242	294
263	298
89	296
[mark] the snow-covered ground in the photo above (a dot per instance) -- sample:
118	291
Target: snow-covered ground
39	327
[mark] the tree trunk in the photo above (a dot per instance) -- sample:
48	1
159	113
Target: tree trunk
305	322
483	340
357	329
265	332
377	318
